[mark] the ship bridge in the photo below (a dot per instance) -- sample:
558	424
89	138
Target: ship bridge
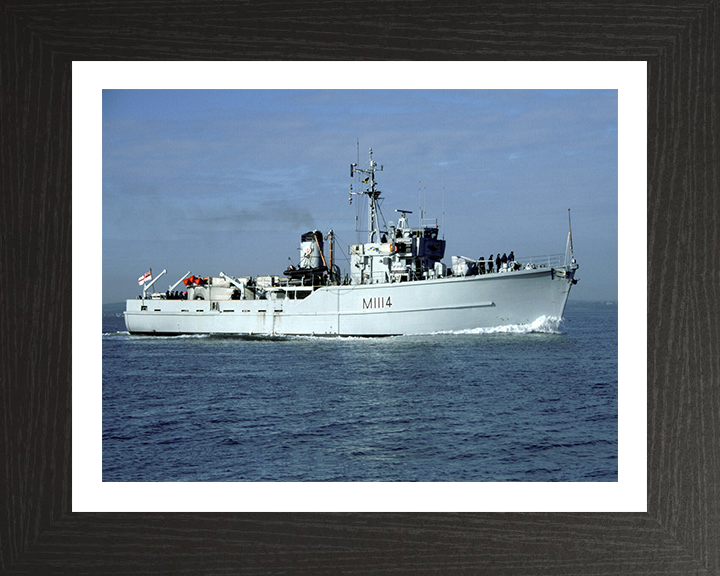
404	254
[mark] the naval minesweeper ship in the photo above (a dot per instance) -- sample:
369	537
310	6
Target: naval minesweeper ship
397	285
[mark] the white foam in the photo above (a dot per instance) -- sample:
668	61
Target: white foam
158	337
543	325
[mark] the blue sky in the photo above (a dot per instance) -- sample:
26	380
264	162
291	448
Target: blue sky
211	180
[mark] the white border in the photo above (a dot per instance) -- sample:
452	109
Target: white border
91	494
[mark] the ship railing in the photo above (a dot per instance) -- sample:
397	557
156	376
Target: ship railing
544	261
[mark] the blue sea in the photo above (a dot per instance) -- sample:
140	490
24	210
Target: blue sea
515	405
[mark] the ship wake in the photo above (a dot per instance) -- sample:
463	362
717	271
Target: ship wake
125	333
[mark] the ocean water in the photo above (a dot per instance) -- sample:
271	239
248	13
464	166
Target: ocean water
516	405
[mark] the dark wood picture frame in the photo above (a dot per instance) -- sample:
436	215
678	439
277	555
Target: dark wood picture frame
681	530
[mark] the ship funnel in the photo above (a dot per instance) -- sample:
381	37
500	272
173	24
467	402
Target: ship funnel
311	247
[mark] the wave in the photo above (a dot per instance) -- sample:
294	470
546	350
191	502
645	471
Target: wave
125	333
543	325
112	334
330	337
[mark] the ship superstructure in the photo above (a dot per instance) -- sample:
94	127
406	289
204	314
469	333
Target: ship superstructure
397	284
397	253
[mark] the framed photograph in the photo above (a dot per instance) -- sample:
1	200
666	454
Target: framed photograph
63	516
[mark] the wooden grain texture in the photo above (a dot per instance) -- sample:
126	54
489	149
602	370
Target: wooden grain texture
681	531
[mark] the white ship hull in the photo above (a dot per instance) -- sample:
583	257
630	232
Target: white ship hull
446	304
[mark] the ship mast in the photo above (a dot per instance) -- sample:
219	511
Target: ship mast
373	194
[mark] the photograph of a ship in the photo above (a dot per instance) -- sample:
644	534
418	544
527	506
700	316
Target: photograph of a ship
377	321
